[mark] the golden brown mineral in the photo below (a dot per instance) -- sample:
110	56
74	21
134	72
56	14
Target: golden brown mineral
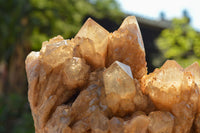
195	71
91	43
161	122
116	125
97	82
53	81
138	124
126	45
172	89
164	85
120	90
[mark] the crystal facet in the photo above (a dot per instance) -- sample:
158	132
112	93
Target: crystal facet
195	71
92	42
126	46
119	88
138	124
172	89
161	122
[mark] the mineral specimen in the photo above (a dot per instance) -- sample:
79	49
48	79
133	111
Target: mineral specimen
97	82
52	83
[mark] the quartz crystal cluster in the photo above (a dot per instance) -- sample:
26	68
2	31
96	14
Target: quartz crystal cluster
97	82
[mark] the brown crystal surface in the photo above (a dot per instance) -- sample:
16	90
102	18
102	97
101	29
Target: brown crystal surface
138	124
195	71
91	43
161	122
97	82
119	88
164	85
172	89
126	46
52	84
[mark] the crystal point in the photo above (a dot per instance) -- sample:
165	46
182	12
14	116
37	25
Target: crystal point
75	72
123	43
160	85
118	79
168	88
130	23
94	43
119	87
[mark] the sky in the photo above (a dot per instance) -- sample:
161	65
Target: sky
172	8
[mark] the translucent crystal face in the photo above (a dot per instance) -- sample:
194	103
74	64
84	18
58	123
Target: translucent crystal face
119	88
75	72
56	51
123	43
118	79
195	71
125	67
168	78
97	43
85	49
129	23
166	85
94	32
161	122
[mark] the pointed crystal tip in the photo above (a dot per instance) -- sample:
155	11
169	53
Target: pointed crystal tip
131	24
92	30
92	40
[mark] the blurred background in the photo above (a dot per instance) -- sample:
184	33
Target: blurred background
170	30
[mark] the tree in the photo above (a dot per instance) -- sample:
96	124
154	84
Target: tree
34	21
180	42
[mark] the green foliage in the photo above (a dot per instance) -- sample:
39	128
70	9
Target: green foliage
181	42
30	22
15	116
12	13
